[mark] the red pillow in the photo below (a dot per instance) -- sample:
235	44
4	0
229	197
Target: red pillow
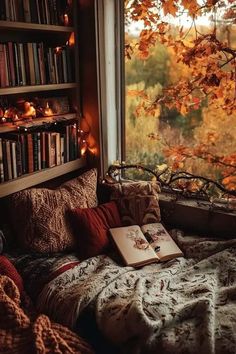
8	269
91	228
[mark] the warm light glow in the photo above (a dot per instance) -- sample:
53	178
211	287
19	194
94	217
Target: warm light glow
83	147
66	19
58	50
72	39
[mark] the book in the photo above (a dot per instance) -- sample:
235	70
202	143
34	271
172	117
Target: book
149	243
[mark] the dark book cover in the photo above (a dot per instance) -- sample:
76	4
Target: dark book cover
68	63
2	10
26	9
27	64
34	12
24	153
43	150
30	153
19	64
18	159
11	63
38	11
36	64
35	150
4	154
17	67
1	162
19	10
3	76
8	67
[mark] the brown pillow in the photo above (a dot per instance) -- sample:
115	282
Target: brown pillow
39	215
137	202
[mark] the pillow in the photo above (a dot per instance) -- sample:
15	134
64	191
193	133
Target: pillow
8	269
137	202
91	228
38	215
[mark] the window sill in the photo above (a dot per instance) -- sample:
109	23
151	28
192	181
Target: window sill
197	216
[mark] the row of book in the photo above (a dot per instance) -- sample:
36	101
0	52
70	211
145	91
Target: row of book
50	12
30	152
34	64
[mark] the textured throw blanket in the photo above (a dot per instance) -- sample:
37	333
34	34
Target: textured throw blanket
187	305
21	335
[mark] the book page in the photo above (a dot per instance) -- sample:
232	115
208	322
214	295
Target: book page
132	245
161	241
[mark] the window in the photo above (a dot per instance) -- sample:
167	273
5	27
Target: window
180	88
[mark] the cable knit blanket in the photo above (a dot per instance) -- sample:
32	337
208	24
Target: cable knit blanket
21	335
187	305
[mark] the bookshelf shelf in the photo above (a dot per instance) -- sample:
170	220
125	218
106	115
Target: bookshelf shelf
36	122
35	178
28	27
36	88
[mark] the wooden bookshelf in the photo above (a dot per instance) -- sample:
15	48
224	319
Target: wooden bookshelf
52	36
28	89
35	178
28	27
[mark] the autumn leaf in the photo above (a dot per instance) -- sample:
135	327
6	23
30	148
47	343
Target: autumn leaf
169	7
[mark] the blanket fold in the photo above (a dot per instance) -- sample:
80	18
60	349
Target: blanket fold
20	334
186	305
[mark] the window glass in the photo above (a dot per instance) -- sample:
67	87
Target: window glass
180	87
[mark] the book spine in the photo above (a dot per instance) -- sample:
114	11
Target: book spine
19	64
36	64
43	150
62	140
4	153
22	61
47	149
16	64
68	62
31	63
9	166
64	65
53	161
1	162
56	68
41	64
35	151
58	149
26	7
39	150
23	153
6	61
18	159
30	153
38	11
7	7
67	143
13	159
2	66
2	10
47	14
19	11
33	12
12	65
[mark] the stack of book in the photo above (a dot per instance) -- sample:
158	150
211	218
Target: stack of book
34	64
50	12
30	152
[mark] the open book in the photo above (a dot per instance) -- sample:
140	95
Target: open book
146	244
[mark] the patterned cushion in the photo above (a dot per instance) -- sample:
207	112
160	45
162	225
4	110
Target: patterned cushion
137	202
39	215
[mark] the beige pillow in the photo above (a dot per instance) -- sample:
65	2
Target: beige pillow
39	215
137	202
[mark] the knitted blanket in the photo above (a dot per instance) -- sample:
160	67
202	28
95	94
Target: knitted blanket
187	305
21	335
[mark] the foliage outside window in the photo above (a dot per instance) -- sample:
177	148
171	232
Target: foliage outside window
180	74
